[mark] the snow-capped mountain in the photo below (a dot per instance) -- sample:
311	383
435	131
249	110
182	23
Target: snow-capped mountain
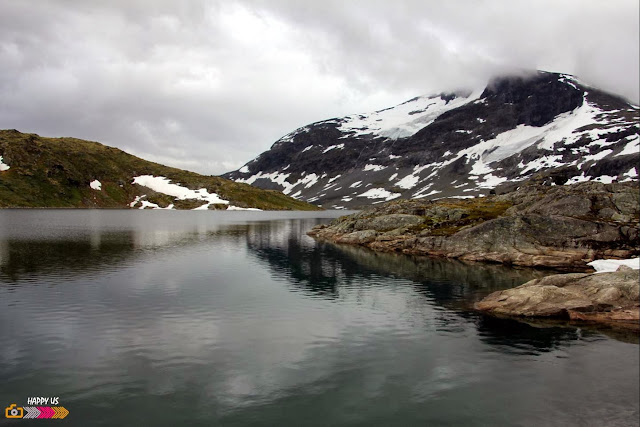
544	125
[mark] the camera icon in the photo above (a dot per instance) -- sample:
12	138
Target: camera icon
12	412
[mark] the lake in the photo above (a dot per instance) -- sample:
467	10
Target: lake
239	319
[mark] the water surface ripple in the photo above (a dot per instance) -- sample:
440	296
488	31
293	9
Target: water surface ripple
238	318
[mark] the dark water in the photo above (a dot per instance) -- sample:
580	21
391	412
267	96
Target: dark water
240	319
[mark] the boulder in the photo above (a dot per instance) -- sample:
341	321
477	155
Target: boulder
600	297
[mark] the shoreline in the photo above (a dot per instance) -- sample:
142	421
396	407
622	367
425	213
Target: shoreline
562	229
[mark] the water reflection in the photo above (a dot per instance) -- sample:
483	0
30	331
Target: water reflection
72	242
318	269
202	320
339	271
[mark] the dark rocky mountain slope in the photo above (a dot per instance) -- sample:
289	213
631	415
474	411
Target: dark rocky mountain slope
545	125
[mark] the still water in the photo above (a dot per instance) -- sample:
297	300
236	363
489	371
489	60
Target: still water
165	318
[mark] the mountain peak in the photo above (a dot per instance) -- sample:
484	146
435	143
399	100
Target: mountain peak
460	144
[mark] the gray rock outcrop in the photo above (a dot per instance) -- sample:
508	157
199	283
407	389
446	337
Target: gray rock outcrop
601	297
561	227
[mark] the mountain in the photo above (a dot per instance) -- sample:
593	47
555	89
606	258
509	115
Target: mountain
542	125
69	172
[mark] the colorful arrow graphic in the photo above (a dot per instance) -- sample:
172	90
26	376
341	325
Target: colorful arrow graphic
45	412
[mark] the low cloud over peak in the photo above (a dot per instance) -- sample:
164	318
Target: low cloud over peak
208	85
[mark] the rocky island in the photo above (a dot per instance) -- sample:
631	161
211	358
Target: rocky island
563	227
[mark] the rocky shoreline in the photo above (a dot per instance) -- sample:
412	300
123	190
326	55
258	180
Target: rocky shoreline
558	227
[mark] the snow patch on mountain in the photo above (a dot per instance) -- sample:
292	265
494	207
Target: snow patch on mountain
605	179
136	200
3	166
630	175
408	181
289	137
96	185
379	193
309	180
405	119
491	181
145	204
236	208
506	144
333	147
281	179
601	155
413	178
566	129
161	184
277	177
541	163
376	168
632	147
577	178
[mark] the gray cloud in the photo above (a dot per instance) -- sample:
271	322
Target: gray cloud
207	85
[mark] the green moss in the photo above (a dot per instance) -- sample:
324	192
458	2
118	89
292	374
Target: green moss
473	212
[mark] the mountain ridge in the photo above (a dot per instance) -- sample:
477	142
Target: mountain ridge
67	172
464	144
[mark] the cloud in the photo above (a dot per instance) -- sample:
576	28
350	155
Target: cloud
208	85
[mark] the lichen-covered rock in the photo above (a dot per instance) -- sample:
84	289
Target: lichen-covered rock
601	297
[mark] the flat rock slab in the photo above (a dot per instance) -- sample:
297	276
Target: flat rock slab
600	297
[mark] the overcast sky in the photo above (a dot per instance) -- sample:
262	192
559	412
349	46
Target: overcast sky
208	85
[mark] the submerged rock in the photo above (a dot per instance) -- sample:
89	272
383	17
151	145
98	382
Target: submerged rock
610	298
561	227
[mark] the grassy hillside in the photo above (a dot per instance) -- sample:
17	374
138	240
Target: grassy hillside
56	172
